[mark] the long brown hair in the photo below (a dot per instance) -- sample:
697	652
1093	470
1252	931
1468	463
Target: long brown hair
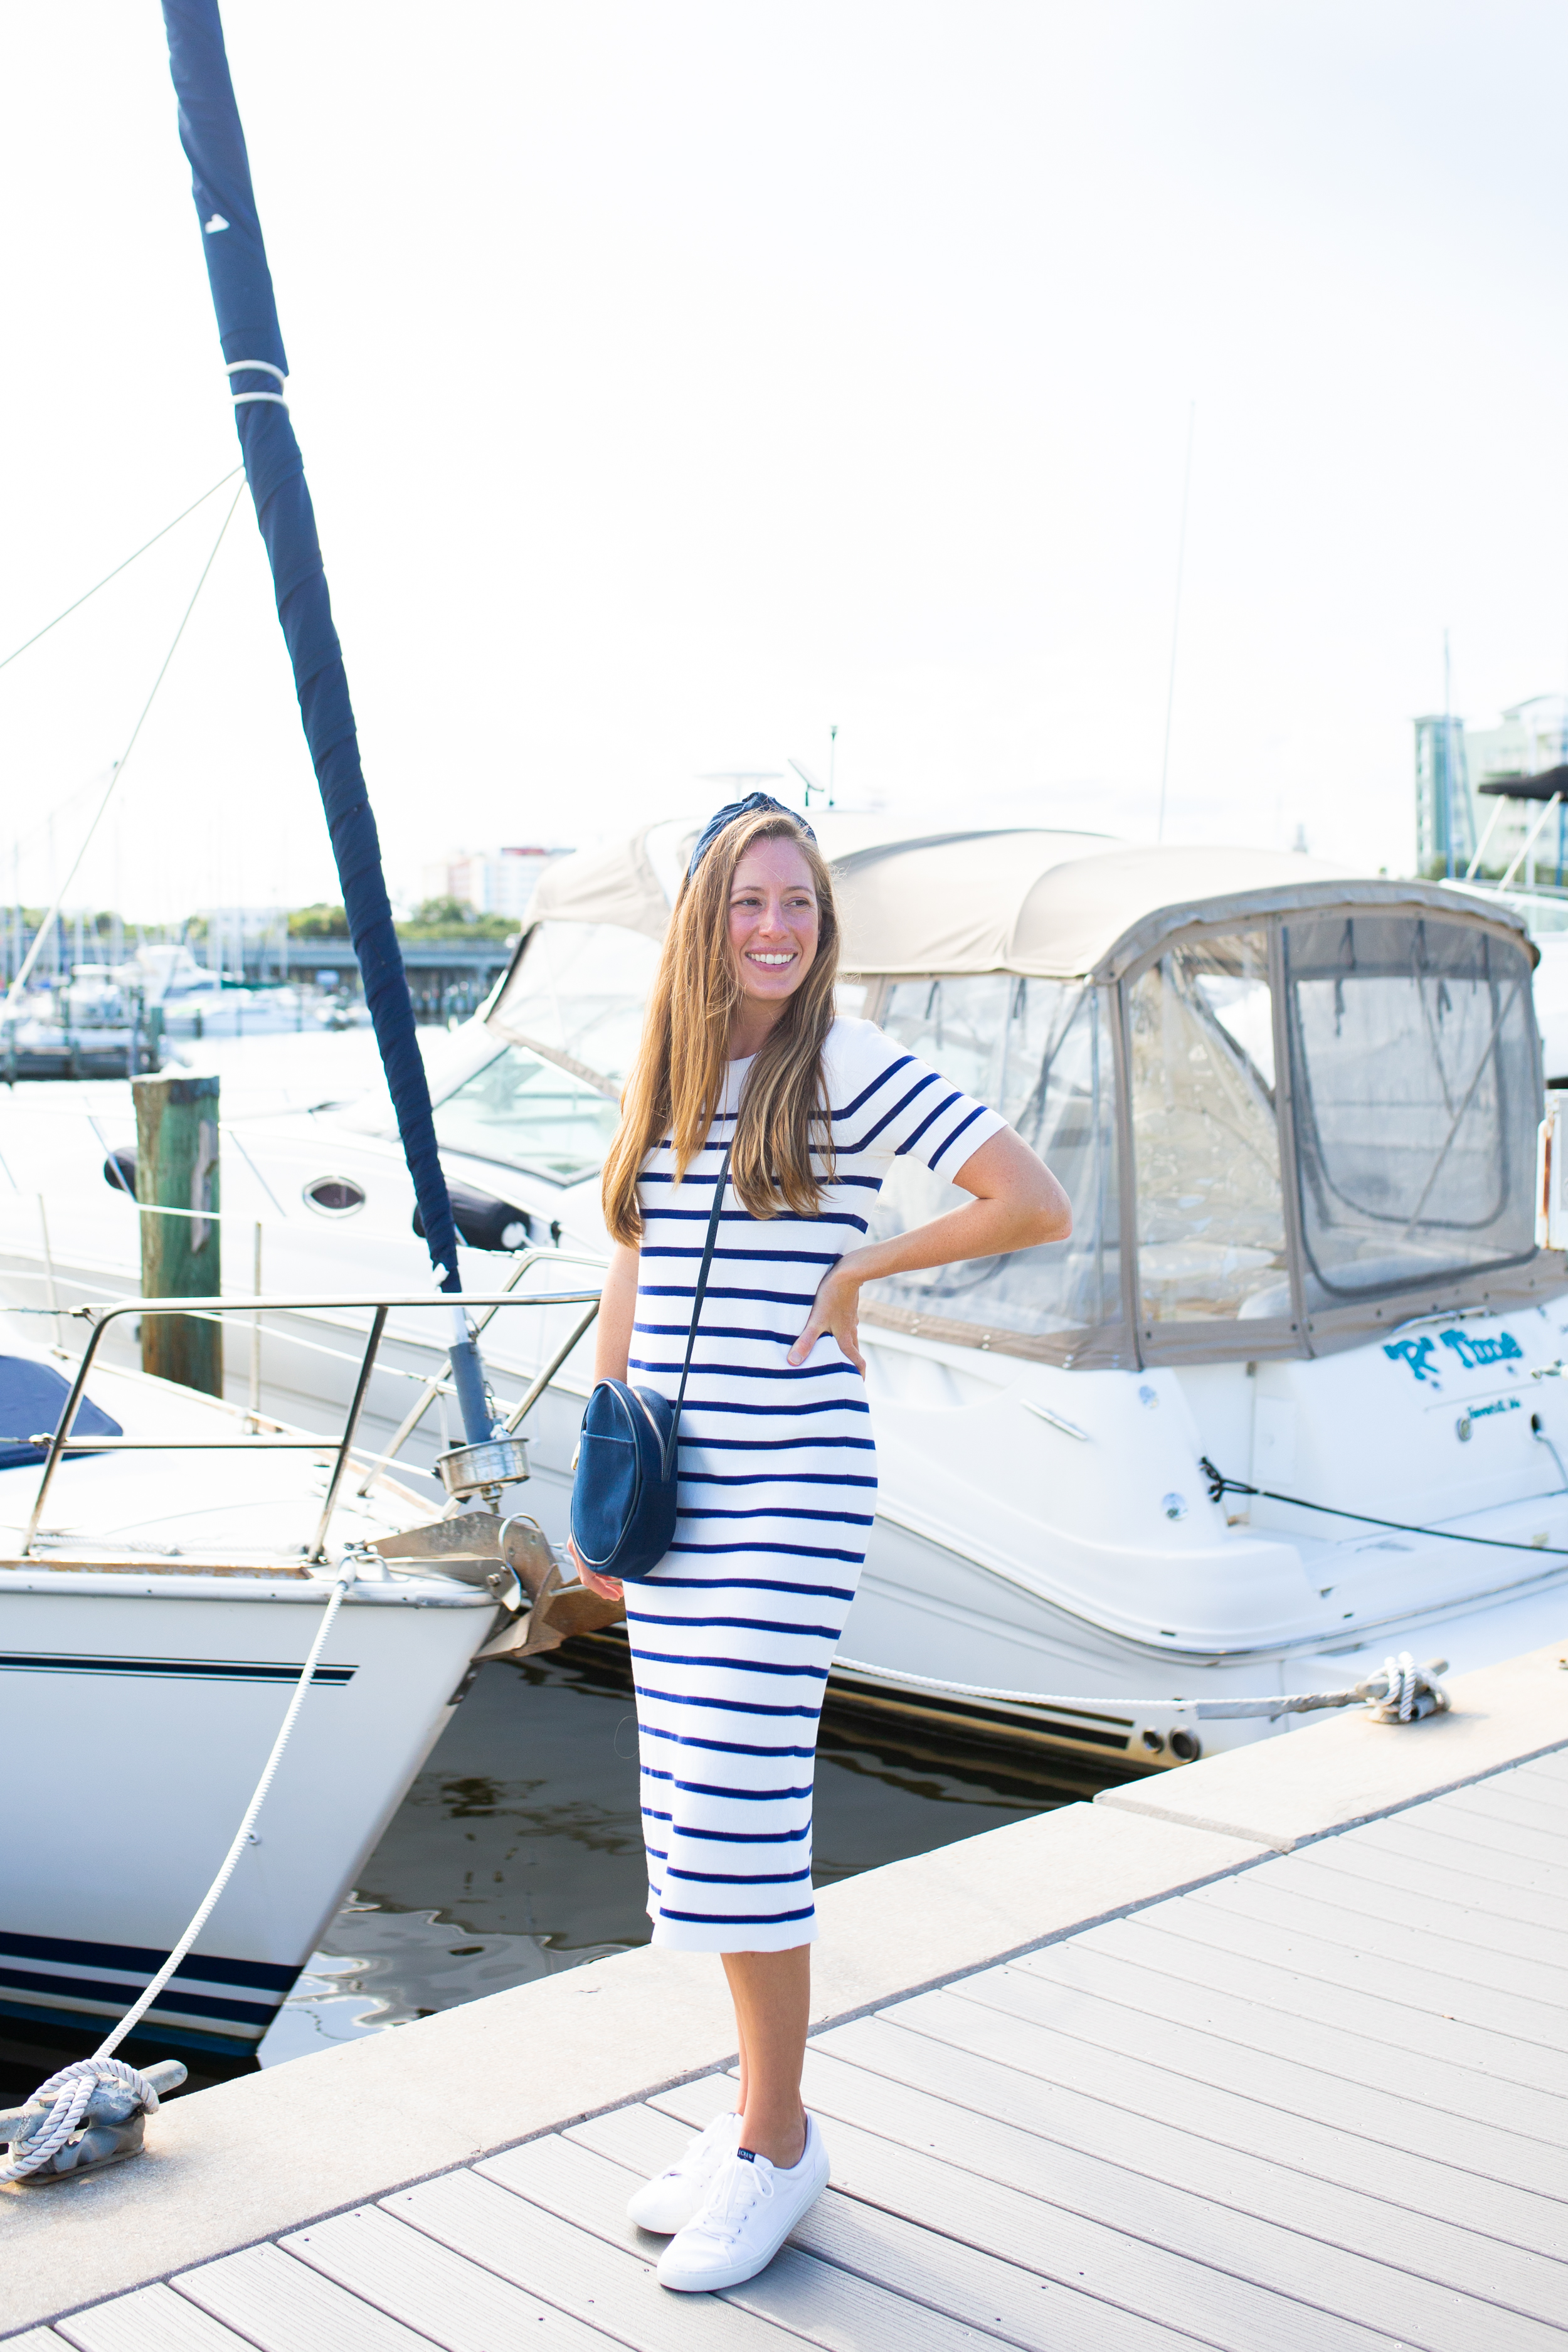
677	1079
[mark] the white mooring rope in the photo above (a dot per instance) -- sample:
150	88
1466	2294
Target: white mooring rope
1402	1693
67	2093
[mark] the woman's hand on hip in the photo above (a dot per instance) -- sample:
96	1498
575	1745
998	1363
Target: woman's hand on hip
608	1588
836	1312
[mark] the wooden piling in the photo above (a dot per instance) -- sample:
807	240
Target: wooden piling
177	1169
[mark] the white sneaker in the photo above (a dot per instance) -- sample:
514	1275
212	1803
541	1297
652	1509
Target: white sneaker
667	2202
748	2212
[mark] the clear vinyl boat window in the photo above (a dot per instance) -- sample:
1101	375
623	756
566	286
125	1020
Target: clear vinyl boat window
1415	1100
578	990
1205	1146
1040	1053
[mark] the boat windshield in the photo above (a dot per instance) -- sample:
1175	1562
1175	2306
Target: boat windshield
1415	1100
1038	1050
530	1113
578	991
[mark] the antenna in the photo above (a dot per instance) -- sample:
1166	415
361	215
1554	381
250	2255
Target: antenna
1176	618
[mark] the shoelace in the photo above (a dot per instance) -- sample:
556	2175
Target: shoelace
703	2152
732	2190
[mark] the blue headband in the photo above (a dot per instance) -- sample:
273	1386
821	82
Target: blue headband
754	805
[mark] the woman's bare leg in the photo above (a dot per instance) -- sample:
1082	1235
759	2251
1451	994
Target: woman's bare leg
772	1993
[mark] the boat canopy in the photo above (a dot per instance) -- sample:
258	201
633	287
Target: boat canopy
1291	1107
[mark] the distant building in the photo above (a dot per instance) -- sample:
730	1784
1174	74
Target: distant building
1444	807
490	881
1452	760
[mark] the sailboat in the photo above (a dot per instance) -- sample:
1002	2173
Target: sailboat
166	1558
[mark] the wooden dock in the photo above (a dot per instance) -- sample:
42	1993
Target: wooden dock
1316	2103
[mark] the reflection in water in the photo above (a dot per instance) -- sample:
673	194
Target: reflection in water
518	1851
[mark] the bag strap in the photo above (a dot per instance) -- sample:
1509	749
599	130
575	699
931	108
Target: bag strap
701	1293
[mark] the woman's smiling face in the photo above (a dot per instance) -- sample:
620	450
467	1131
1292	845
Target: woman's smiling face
774	920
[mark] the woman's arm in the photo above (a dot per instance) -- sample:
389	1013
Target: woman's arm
612	1345
617	1313
1017	1205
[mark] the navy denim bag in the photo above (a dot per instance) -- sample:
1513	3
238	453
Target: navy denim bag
622	1498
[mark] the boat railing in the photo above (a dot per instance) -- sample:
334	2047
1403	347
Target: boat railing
101	1317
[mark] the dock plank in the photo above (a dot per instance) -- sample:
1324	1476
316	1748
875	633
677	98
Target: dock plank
1539	1996
1187	2058
934	2161
1435	1918
996	2295
1328	2250
1051	1988
1501	1799
152	2319
1530	2024
1390	2025
1542	1788
283	2305
611	2288
837	2309
1211	2116
1488	1826
1552	1770
1447	1883
998	2213
455	2303
1414	1833
36	2340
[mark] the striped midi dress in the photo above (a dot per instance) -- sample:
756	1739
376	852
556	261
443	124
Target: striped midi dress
733	1634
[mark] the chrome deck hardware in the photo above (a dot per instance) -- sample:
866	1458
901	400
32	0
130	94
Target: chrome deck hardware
483	1469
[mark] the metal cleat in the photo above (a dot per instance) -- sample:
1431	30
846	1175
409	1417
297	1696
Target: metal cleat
108	2128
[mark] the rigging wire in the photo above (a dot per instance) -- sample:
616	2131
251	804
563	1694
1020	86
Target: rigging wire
47	925
1176	618
157	535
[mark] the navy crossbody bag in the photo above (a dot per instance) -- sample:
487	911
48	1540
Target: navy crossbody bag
622	1498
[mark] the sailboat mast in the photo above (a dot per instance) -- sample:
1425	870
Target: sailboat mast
258	370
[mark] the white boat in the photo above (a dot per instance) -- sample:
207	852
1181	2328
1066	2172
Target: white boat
160	1586
165	972
1297	1115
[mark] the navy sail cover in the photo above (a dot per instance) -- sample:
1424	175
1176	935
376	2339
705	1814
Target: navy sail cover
32	1396
248	325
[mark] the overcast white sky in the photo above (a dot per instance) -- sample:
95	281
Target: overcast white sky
675	381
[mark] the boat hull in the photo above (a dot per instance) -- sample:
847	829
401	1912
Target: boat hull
139	1713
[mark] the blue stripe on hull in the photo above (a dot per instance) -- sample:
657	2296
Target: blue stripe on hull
119	1997
207	1670
176	2037
267	1976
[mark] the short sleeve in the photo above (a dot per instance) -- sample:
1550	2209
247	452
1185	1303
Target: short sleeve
902	1108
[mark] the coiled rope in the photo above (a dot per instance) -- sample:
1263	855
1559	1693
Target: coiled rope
64	2097
1401	1694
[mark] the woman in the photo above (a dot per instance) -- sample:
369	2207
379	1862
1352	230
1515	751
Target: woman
733	1635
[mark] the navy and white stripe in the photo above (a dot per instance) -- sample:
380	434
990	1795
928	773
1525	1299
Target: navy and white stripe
733	1635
